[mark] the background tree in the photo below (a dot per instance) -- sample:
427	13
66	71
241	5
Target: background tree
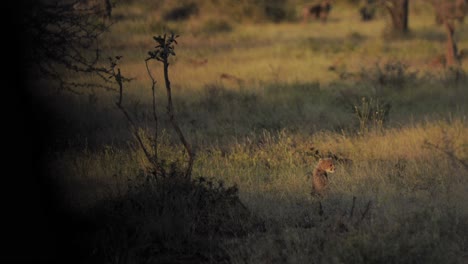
447	13
398	10
58	40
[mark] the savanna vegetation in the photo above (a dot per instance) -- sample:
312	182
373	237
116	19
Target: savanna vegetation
259	95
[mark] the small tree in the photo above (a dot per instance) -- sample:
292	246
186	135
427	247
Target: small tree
447	13
164	48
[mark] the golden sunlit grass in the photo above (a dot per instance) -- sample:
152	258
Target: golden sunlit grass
277	163
286	52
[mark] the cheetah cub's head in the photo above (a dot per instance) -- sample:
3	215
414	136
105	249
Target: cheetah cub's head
327	165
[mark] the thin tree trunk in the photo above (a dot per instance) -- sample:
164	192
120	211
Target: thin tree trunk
170	113
155	117
451	46
398	10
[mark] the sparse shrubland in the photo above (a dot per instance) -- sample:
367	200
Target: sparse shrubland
260	101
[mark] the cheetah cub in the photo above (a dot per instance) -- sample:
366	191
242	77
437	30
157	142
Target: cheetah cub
320	177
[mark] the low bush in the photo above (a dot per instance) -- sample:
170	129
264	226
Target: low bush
181	12
169	217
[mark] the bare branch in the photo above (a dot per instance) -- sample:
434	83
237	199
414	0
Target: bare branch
155	116
119	79
352	208
366	210
60	41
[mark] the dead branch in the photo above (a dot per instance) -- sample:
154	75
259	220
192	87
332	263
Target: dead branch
366	210
232	78
352	208
119	79
320	208
155	116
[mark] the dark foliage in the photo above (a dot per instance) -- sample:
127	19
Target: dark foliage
166	218
368	10
276	10
181	12
57	40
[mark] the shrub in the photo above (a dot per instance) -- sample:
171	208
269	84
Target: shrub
171	217
276	10
181	12
389	74
371	113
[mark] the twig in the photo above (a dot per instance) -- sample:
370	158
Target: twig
118	78
63	41
155	116
363	214
352	208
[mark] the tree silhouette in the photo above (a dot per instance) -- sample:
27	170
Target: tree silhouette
57	41
398	10
447	13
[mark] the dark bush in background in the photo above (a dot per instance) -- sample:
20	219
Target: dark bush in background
181	12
